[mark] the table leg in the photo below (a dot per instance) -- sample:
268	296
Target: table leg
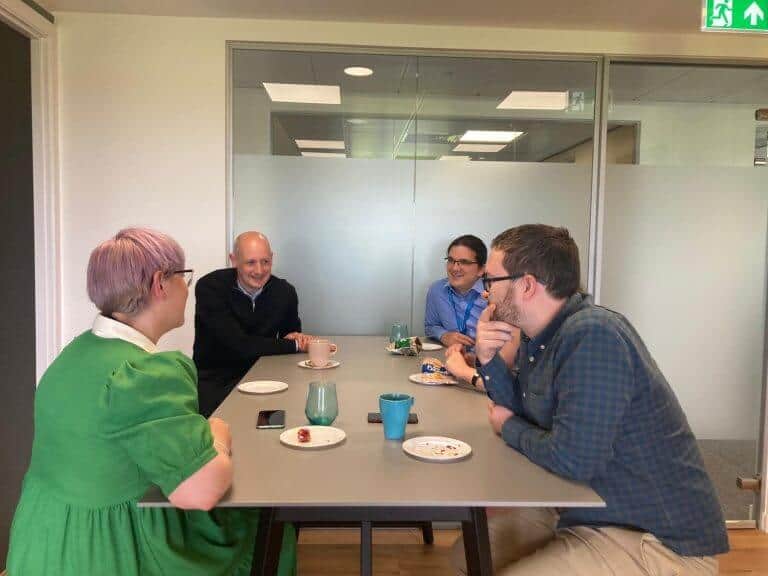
366	548
477	548
269	540
426	532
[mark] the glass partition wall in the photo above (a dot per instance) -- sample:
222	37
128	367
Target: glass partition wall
361	168
684	247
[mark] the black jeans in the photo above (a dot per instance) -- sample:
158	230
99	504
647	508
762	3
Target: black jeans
212	389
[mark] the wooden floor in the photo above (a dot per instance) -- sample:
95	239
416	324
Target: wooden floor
401	553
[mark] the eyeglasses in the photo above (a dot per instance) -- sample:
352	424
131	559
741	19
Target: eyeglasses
488	280
189	274
461	262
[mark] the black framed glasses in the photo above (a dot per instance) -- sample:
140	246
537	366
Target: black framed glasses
188	273
488	280
461	262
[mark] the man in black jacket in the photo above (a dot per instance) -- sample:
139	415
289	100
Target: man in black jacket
241	314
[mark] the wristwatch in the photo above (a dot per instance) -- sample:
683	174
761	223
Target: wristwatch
475	377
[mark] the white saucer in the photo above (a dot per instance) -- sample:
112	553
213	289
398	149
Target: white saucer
436	449
319	437
331	364
419	378
262	387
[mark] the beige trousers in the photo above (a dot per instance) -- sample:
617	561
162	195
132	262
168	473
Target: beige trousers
525	542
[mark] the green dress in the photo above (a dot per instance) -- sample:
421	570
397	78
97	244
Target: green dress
110	421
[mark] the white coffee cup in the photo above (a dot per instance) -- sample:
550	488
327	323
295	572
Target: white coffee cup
320	352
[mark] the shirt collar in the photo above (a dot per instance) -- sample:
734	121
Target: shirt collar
105	327
574	303
244	291
477	287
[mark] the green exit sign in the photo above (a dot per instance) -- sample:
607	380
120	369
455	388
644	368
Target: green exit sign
735	16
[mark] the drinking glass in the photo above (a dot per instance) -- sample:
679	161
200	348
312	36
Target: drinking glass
398	331
322	406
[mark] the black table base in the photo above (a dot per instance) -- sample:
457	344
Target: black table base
474	526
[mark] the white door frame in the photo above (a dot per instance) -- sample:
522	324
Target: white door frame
46	181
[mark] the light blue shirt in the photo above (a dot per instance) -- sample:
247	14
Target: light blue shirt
446	309
251	296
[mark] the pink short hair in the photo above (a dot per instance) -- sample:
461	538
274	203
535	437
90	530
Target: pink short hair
120	269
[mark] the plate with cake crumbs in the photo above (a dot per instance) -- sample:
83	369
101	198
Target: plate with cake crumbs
433	379
436	449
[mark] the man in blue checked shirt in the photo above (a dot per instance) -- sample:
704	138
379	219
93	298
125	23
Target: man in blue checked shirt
582	397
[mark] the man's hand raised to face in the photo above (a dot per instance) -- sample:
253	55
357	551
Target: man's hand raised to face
492	335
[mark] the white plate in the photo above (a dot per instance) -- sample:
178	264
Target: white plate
430	346
436	448
331	364
262	387
319	437
418	378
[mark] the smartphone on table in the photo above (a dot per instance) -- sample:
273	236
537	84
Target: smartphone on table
271	419
375	418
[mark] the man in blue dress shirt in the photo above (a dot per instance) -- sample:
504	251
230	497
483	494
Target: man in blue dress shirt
583	398
454	303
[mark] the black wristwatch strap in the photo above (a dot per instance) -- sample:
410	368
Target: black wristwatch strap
475	377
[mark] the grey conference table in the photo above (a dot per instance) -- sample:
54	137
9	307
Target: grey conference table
367	478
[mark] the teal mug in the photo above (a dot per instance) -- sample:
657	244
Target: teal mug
394	414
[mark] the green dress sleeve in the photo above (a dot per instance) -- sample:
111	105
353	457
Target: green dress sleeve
151	412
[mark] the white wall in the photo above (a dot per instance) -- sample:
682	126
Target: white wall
687	134
250	125
362	239
684	260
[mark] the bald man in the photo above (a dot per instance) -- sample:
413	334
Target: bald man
241	314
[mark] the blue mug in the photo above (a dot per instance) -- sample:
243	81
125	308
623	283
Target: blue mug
394	413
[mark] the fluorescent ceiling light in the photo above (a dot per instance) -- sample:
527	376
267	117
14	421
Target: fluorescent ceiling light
321	144
529	100
323	154
358	71
455	157
303	93
505	136
479	147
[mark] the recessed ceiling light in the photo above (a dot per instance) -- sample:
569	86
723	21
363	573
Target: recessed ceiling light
323	154
479	147
455	157
531	100
358	71
303	93
321	144
489	136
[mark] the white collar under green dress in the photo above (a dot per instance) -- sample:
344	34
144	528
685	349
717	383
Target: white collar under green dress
105	327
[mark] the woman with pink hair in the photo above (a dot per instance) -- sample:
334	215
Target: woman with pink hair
112	417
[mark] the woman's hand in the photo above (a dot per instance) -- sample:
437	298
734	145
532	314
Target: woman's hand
203	489
456	364
220	432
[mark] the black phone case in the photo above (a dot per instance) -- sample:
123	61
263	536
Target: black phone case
375	418
267	425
